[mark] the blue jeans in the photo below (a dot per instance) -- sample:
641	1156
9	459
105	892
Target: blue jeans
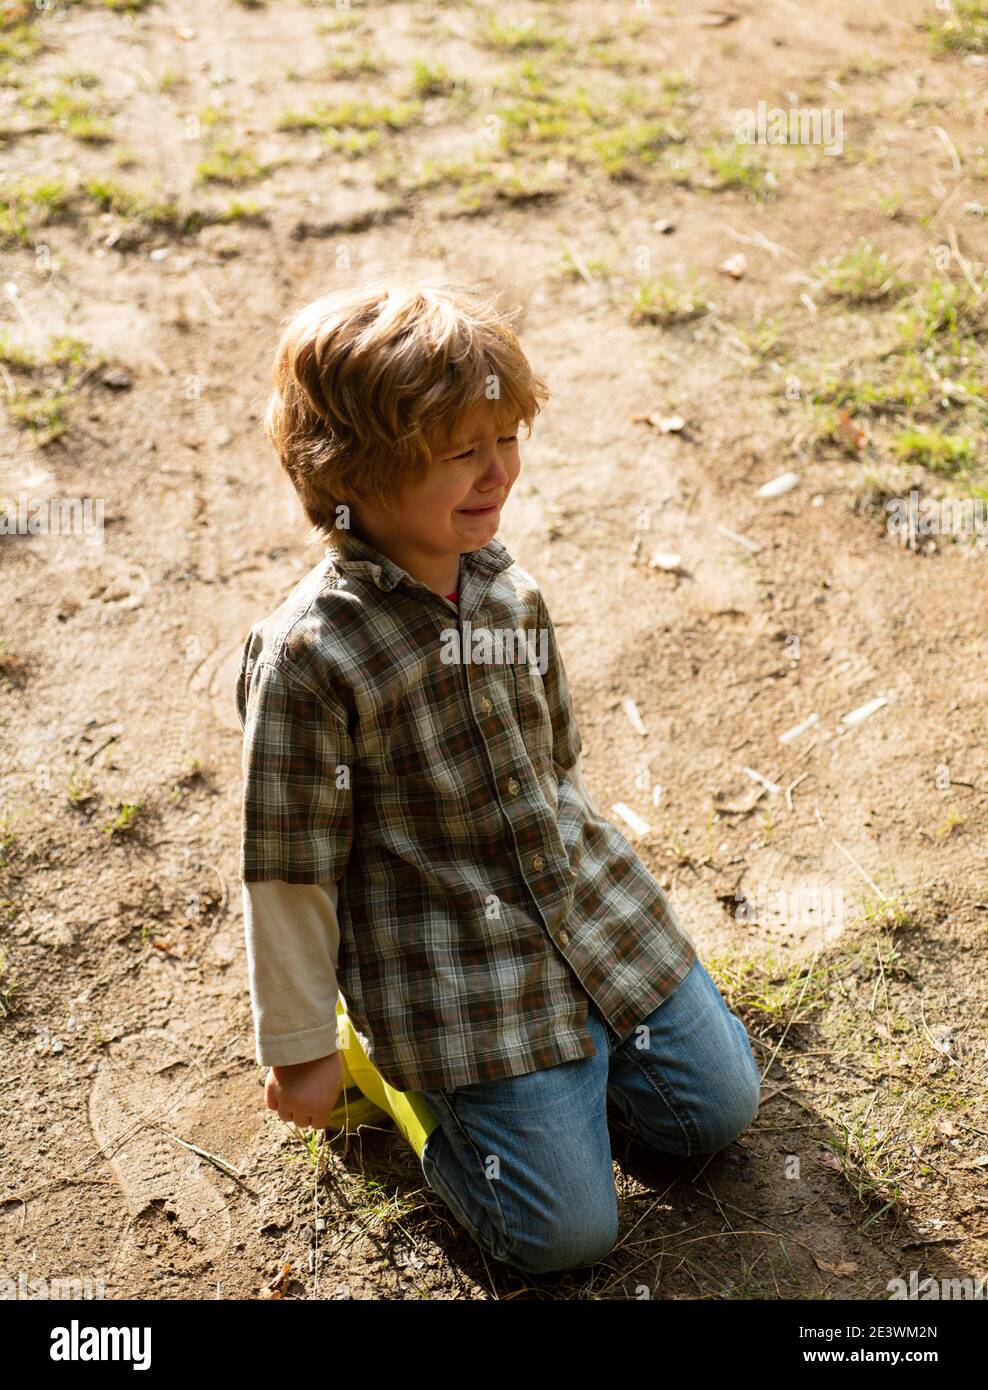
525	1163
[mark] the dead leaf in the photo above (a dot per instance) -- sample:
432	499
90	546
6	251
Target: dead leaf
842	1268
851	432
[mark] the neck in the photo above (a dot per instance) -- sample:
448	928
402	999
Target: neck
440	572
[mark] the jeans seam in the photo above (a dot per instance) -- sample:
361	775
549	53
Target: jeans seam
686	1125
501	1223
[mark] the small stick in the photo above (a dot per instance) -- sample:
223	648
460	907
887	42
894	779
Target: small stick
221	1163
792	787
965	267
577	260
851	860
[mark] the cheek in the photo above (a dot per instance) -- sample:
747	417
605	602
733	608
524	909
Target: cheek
443	491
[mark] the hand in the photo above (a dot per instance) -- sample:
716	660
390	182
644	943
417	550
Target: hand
306	1092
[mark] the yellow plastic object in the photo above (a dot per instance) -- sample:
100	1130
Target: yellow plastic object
375	1098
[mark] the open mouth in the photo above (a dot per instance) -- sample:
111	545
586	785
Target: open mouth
479	511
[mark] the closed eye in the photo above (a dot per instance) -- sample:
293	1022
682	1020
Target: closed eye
505	439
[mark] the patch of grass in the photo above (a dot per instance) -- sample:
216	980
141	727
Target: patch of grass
352	143
622	151
431	80
69	109
621	132
352	115
892	912
567	268
775	996
228	163
242	210
170	80
735	166
507	36
124	820
943	310
939	452
860	275
27	204
351	63
479	185
662	299
764	339
868	67
873	1164
963	30
138	206
20	40
952	821
891	203
930	377
191	774
53	380
863	394
125	158
212	116
80	786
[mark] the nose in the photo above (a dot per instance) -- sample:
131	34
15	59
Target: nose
495	474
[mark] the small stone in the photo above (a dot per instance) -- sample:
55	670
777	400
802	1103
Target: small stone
117	379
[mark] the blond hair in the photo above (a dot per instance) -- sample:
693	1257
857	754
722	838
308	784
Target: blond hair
367	381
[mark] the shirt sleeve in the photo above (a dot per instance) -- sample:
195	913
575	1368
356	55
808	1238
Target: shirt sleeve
297	758
575	775
567	742
293	938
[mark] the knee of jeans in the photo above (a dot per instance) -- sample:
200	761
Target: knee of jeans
565	1245
736	1111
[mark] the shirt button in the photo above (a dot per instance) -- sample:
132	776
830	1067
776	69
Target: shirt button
485	704
538	862
564	938
514	786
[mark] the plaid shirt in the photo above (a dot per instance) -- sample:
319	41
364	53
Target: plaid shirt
482	897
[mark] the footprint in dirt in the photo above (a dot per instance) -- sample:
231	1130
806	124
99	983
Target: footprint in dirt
172	1199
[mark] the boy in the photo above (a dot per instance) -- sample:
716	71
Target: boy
416	829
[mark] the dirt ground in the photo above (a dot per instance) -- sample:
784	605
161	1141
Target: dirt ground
184	215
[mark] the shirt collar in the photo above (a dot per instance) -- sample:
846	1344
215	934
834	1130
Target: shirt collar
354	556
